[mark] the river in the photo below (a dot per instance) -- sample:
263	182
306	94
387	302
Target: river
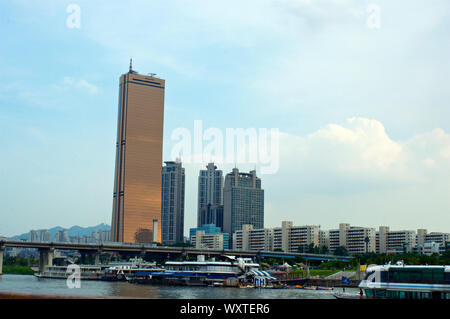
32	284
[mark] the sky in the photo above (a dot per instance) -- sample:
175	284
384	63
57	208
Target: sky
359	92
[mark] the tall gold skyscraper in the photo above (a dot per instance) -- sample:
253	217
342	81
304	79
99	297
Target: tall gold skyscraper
136	216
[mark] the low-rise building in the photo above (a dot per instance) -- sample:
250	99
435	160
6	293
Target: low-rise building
440	238
429	248
249	238
210	241
210	236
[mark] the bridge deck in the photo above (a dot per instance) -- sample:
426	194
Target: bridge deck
148	248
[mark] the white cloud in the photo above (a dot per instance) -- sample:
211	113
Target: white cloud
364	142
81	84
361	149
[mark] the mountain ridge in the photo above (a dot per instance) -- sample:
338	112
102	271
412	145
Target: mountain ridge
72	231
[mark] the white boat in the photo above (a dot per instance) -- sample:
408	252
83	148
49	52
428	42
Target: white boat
402	281
87	272
111	272
202	272
123	271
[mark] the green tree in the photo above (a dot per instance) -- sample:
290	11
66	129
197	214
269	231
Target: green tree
341	251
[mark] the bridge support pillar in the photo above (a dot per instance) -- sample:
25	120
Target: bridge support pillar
2	250
83	258
45	258
97	258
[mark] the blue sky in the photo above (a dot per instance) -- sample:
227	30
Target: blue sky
363	113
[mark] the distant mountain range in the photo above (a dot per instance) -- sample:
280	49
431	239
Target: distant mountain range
72	231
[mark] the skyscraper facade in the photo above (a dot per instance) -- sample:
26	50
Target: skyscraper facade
243	201
172	203
210	190
136	216
211	214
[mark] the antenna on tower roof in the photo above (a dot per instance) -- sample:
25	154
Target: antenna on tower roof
131	65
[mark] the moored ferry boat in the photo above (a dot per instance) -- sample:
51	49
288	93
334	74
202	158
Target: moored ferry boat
87	272
125	271
406	282
203	273
108	272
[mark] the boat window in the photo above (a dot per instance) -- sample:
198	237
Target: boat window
394	276
414	277
432	276
447	277
427	276
438	275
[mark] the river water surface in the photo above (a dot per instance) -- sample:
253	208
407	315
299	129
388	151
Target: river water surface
32	284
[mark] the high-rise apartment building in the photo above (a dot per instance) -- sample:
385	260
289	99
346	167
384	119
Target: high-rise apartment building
381	239
323	239
281	236
243	201
357	240
34	237
62	237
338	237
248	238
136	215
290	238
172	203
44	235
210	192
392	242
401	241
421	236
287	238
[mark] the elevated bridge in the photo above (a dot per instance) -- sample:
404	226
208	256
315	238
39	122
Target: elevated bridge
47	249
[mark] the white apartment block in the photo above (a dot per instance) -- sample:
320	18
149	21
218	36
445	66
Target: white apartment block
361	240
211	241
334	240
394	242
357	240
401	241
302	236
287	238
34	237
324	238
249	238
